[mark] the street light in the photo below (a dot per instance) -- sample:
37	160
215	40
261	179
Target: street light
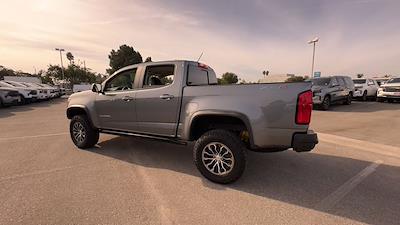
313	41
62	66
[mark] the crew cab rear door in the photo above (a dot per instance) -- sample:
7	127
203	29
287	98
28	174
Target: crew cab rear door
158	99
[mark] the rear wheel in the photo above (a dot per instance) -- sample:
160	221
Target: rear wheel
220	156
326	103
82	133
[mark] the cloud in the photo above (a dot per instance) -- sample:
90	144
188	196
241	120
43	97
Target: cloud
245	37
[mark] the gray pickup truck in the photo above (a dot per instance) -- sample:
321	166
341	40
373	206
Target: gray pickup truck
180	102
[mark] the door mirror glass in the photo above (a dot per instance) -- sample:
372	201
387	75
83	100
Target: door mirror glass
96	88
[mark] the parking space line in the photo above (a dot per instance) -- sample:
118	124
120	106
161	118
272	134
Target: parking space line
366	146
34	136
331	200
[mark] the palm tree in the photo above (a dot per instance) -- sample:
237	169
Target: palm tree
70	57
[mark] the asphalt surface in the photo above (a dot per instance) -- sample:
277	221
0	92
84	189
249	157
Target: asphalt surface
353	176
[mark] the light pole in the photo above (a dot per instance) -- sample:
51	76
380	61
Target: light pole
313	41
62	66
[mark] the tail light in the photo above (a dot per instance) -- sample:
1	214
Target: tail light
304	108
203	66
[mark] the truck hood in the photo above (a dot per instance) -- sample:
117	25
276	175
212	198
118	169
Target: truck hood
8	89
391	85
82	94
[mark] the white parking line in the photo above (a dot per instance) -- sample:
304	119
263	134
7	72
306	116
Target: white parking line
331	200
366	146
34	136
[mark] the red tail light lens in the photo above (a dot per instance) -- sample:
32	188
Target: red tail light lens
203	66
304	108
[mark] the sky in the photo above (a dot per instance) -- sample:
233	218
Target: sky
244	37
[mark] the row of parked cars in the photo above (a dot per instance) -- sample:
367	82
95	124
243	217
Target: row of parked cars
343	89
15	93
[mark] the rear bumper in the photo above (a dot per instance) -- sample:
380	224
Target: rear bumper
304	142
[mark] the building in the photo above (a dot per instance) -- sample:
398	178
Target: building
275	78
23	79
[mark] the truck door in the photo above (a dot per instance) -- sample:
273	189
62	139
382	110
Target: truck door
116	105
158	100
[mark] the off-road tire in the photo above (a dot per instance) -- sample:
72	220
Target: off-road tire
91	134
233	143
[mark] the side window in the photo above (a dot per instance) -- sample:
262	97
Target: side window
341	82
371	82
122	81
197	76
158	76
334	82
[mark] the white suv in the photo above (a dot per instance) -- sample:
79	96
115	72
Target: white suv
390	90
365	88
27	94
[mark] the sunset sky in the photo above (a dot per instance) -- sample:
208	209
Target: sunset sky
245	37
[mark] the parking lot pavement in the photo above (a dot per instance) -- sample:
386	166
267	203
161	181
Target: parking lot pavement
369	121
44	179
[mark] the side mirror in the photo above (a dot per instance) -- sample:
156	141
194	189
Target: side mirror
96	88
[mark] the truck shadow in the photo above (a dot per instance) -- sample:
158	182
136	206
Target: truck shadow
299	179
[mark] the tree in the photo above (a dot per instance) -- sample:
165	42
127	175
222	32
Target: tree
228	78
70	57
124	56
74	74
295	79
148	59
45	78
360	75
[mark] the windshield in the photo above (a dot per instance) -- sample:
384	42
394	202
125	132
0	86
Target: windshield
321	81
393	80
359	81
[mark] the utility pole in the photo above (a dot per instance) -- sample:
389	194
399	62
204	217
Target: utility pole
314	41
62	65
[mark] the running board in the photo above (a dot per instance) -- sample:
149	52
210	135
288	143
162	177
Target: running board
124	133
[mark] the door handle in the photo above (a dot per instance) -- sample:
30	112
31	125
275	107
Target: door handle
166	97
127	98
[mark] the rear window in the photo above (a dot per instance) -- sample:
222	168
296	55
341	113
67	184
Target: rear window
197	76
361	81
321	81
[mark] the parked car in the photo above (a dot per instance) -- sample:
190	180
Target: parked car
8	96
389	91
180	102
365	88
42	92
54	92
27	95
329	90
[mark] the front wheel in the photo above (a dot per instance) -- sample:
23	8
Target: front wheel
220	156
82	133
364	96
348	99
